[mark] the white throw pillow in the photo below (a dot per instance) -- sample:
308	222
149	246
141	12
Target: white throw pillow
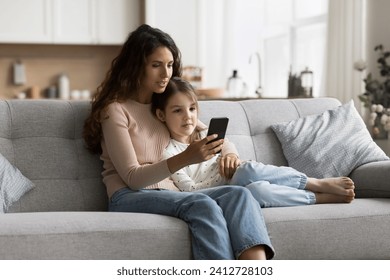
331	144
13	185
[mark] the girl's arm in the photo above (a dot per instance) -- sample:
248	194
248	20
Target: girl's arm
185	183
229	161
183	178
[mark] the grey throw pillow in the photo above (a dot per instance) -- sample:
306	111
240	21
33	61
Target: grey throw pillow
13	185
330	144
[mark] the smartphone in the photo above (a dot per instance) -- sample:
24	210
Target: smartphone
218	126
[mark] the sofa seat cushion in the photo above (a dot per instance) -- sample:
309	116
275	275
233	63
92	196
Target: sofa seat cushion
331	231
93	235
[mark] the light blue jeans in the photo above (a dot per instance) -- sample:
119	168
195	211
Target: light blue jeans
224	221
273	186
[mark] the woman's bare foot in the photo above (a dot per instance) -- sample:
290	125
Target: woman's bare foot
333	198
341	186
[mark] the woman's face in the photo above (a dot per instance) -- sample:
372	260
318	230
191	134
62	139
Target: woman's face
158	71
180	116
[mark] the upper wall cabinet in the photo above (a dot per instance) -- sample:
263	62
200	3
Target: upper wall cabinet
73	21
198	28
25	21
68	21
116	19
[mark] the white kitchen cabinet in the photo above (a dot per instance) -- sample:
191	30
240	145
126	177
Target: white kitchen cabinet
73	21
116	19
25	21
68	21
181	20
94	21
197	27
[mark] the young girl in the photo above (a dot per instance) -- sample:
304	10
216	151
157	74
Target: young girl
272	186
122	128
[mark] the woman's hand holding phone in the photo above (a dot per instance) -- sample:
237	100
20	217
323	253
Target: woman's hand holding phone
196	152
214	144
204	149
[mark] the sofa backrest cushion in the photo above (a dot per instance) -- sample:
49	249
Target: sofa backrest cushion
250	123
42	138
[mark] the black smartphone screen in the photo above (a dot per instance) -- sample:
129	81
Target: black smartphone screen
218	126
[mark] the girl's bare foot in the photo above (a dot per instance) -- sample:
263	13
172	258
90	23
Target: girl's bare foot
341	186
333	198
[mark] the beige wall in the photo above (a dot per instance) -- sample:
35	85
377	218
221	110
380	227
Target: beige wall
86	66
378	23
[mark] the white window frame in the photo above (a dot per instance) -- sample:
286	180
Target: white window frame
288	29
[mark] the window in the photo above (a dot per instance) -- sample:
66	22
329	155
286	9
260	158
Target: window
291	41
224	35
289	35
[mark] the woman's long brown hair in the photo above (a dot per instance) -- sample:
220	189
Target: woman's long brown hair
123	78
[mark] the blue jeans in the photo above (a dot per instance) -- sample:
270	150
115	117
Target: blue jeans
273	186
224	221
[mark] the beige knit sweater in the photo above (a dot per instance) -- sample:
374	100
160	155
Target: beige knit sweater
133	143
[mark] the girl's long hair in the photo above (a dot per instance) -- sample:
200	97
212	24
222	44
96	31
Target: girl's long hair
124	77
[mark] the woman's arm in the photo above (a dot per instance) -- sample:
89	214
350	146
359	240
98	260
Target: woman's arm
197	152
183	181
121	152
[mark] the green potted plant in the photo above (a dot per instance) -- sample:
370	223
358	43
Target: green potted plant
377	94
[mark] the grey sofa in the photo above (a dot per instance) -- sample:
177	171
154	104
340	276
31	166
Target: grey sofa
65	216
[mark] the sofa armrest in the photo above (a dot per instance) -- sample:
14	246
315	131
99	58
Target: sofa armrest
372	180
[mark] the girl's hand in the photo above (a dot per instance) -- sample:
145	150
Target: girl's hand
228	165
201	150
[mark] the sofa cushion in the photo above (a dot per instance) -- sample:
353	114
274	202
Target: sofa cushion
349	231
13	185
371	180
43	139
93	235
329	144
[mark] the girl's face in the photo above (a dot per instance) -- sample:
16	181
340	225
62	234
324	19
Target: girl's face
158	71
180	116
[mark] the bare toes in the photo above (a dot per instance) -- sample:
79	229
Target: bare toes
347	183
350	192
349	199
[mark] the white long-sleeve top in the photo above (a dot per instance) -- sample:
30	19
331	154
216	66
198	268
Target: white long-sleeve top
196	176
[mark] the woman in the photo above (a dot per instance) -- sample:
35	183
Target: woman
225	222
